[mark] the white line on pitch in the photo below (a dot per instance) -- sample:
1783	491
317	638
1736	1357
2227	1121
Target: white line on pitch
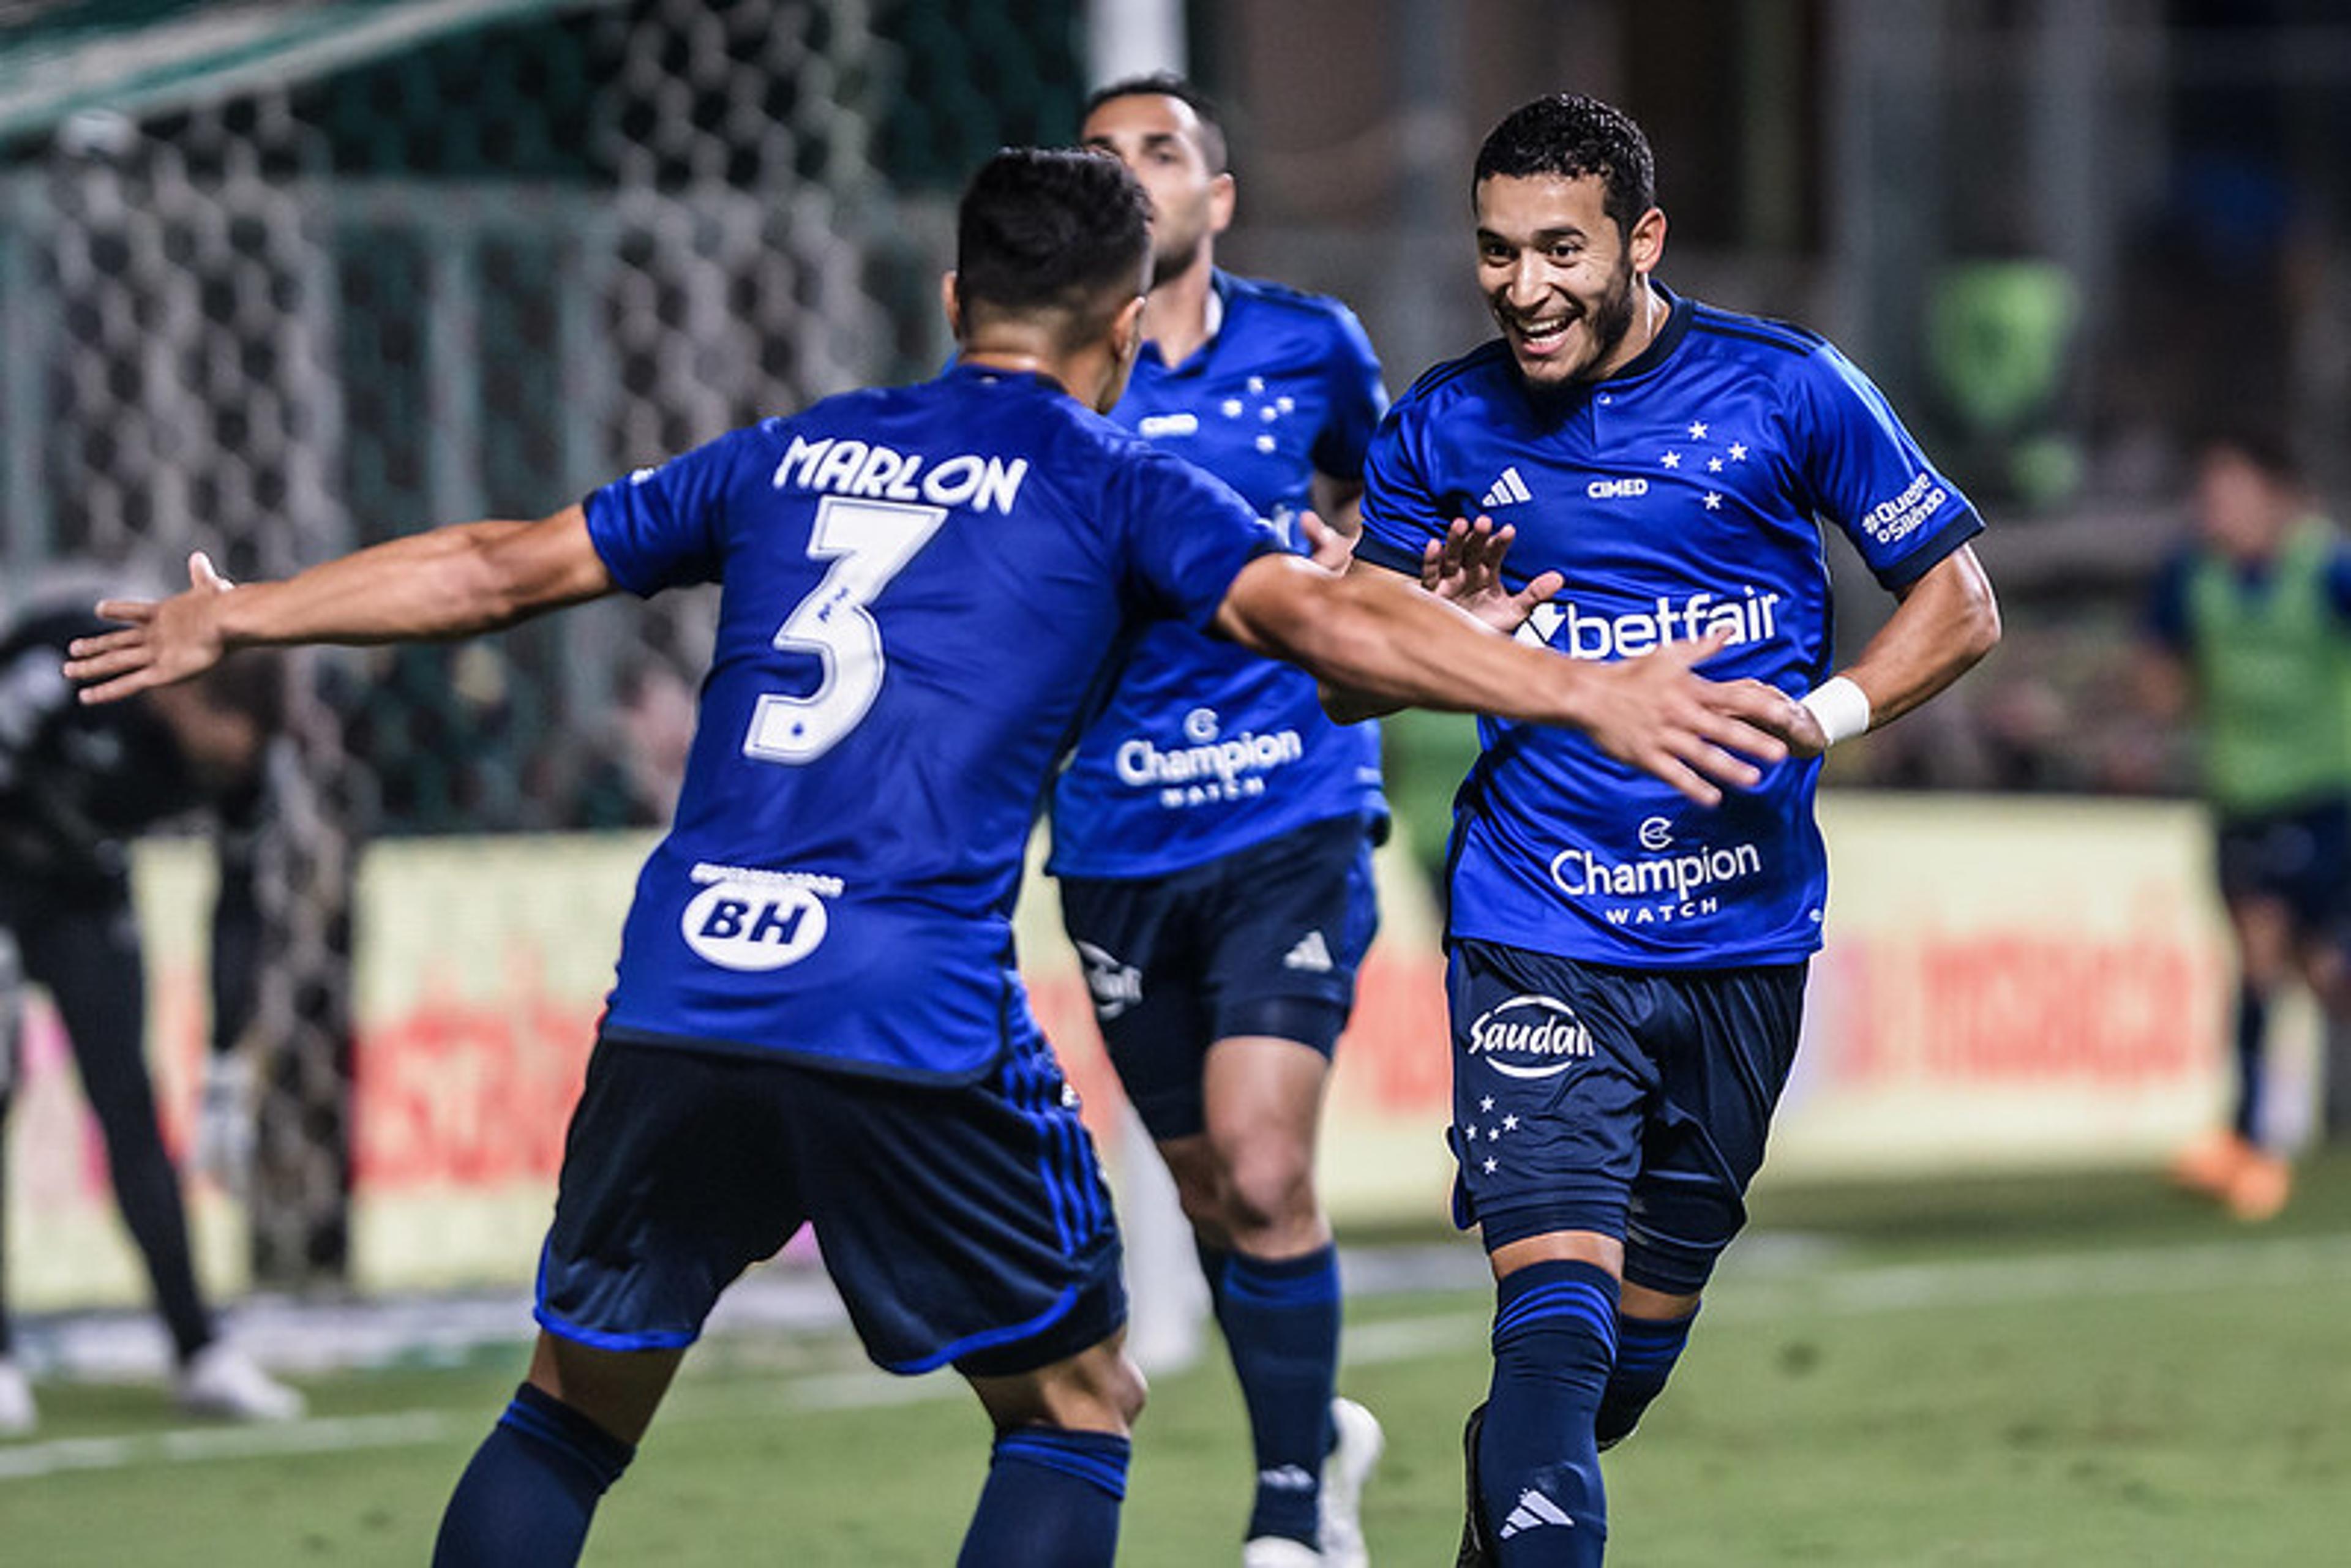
1833	1291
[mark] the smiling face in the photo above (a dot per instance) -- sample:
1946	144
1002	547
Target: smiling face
1162	140
1568	289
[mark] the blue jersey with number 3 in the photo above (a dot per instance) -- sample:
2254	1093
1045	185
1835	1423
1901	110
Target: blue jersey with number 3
923	588
1685	494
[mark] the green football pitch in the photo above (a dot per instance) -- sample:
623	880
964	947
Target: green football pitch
2077	1370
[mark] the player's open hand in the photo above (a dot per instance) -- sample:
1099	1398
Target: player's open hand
161	642
1658	714
1465	569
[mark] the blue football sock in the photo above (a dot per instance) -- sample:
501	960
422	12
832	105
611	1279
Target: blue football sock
2253	1066
1214	1262
1646	1350
1538	1465
526	1500
1051	1501
1282	1325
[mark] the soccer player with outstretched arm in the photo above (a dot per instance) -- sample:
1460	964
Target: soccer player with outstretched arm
1625	965
818	1019
1213	832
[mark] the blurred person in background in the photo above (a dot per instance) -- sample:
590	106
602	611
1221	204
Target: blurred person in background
818	1017
1221	914
76	784
1626	969
2249	628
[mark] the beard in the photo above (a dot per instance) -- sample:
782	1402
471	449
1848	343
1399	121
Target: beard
1172	263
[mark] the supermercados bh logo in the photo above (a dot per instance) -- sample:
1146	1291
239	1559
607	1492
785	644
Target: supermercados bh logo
753	920
1209	765
1530	1036
1663	880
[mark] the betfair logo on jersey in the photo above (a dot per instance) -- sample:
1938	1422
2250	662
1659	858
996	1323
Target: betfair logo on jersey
1581	634
1530	1036
753	920
844	467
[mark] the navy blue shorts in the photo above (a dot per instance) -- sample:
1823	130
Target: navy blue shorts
1265	941
965	1224
2301	858
1628	1103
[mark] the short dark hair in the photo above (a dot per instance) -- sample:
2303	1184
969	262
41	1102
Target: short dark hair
2259	442
1167	83
1045	231
1573	136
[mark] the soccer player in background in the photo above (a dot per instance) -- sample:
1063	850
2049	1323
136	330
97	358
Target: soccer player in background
818	1017
1626	968
75	786
1220	912
2249	623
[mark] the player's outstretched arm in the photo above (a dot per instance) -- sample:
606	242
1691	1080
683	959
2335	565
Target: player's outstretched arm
1374	633
1464	568
448	583
1947	621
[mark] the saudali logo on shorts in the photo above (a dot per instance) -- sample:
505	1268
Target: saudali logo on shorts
755	920
1529	1037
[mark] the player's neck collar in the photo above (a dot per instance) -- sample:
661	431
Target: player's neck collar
1662	343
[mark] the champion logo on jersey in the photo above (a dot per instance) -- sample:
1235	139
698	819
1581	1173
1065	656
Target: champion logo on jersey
1311	954
1507	490
1534	1511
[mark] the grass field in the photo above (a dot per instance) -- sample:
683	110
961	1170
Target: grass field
2081	1370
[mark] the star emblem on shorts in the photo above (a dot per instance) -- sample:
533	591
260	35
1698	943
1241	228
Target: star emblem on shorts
1671	460
1738	451
1510	1124
1697	429
1492	1165
1714	500
1487	1103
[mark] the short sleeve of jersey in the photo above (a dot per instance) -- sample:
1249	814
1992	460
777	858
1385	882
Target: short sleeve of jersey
1188	535
666	527
1401	514
1358	399
1868	475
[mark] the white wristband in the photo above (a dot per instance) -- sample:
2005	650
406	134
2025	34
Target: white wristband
1841	707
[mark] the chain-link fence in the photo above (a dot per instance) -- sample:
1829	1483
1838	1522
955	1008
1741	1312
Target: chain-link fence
471	277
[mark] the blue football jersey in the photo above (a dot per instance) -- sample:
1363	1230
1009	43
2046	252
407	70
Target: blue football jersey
923	587
1687	492
1205	749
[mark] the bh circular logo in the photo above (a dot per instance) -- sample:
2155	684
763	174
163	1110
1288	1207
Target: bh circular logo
754	926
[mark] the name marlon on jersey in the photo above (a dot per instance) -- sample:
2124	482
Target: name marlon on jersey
1580	635
844	466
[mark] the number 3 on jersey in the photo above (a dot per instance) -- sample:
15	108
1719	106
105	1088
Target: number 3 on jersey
868	542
